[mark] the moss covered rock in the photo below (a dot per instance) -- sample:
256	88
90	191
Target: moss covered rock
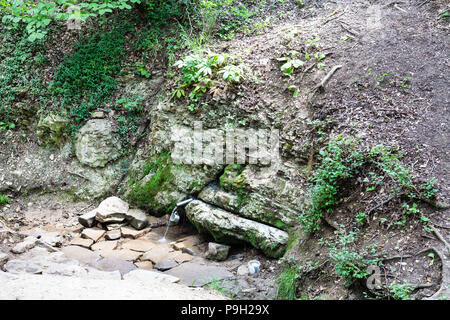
226	227
52	129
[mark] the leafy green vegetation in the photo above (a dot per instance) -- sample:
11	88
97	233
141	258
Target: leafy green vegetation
339	161
4	199
199	73
290	63
400	291
18	78
342	160
286	284
349	263
37	16
85	79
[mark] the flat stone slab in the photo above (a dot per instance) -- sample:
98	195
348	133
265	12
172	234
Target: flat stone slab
114	264
93	234
181	257
81	254
85	243
148	265
139	245
227	227
150	277
196	274
113	234
128	232
165	265
105	245
157	254
124	254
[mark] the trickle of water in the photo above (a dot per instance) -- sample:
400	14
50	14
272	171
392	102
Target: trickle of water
163	239
174	217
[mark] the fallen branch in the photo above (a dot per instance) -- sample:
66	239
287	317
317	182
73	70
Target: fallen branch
324	81
400	9
79	175
423	3
383	203
439	225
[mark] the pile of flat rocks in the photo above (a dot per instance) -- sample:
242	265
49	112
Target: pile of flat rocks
114	213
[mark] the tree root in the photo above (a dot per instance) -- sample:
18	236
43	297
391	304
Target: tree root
324	81
440	237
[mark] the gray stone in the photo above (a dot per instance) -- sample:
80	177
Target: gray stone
149	277
228	227
93	234
81	254
88	219
52	129
27	244
96	143
137	218
112	210
165	265
243	270
254	206
113	234
114	264
196	273
217	251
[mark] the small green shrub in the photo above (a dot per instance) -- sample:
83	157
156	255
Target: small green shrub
401	291
36	16
339	160
199	74
348	262
4	199
290	63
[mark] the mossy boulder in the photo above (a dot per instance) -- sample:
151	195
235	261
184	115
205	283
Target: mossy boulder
228	228
252	206
161	183
52	129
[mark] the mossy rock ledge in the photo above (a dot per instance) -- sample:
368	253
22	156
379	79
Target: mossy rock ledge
226	227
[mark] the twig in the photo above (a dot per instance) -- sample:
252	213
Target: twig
398	8
423	3
439	225
396	257
324	81
383	203
333	17
307	70
348	30
79	175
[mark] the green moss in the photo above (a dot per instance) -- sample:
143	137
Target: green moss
286	284
143	193
232	178
4	199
